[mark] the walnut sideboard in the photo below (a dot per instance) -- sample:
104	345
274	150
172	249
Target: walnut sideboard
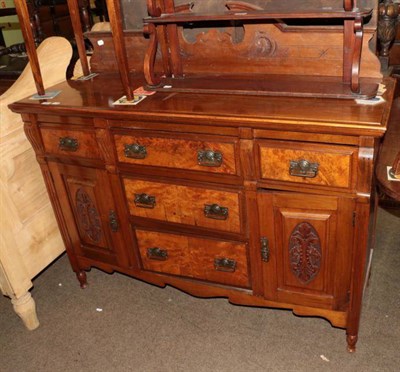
267	201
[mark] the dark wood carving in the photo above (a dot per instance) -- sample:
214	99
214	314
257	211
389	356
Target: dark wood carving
264	46
388	13
32	133
305	252
88	216
85	15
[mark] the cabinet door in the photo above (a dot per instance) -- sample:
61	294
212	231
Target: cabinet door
306	245
89	210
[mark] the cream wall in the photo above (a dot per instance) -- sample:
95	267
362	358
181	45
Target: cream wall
11	30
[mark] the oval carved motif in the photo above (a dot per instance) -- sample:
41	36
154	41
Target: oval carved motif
305	252
88	216
263	45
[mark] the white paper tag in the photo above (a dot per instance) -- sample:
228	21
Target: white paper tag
124	102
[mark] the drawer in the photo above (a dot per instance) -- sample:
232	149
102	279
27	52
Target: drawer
70	143
212	260
306	163
211	155
197	206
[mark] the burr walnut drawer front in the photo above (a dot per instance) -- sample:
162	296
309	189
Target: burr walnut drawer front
79	143
197	206
313	164
209	154
207	259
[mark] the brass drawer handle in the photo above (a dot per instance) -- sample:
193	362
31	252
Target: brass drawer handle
145	201
156	253
216	212
68	144
135	151
209	158
225	264
113	220
303	168
264	249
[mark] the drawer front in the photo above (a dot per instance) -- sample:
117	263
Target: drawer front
312	164
206	259
207	156
214	209
70	143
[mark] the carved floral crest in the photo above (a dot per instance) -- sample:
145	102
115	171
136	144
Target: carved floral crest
305	252
88	216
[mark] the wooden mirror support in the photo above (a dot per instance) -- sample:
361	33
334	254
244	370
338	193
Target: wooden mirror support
24	20
73	7
114	13
30	42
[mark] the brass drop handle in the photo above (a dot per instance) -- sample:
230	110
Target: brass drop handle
135	151
113	221
225	264
68	144
216	212
209	158
303	168
145	201
264	249
156	253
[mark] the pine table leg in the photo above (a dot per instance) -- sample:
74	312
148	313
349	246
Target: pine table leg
25	308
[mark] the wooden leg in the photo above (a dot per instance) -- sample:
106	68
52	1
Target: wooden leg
25	308
81	275
351	343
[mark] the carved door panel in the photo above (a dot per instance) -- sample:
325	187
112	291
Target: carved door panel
306	246
86	199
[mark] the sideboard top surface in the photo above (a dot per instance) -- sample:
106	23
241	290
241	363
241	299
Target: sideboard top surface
95	97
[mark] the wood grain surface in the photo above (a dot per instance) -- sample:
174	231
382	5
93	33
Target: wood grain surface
194	257
336	164
183	204
177	153
87	144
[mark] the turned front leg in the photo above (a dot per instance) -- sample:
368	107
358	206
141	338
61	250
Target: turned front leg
25	308
81	275
351	343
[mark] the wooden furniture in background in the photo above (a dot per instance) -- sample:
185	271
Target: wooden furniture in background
249	178
389	156
29	236
389	36
47	18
